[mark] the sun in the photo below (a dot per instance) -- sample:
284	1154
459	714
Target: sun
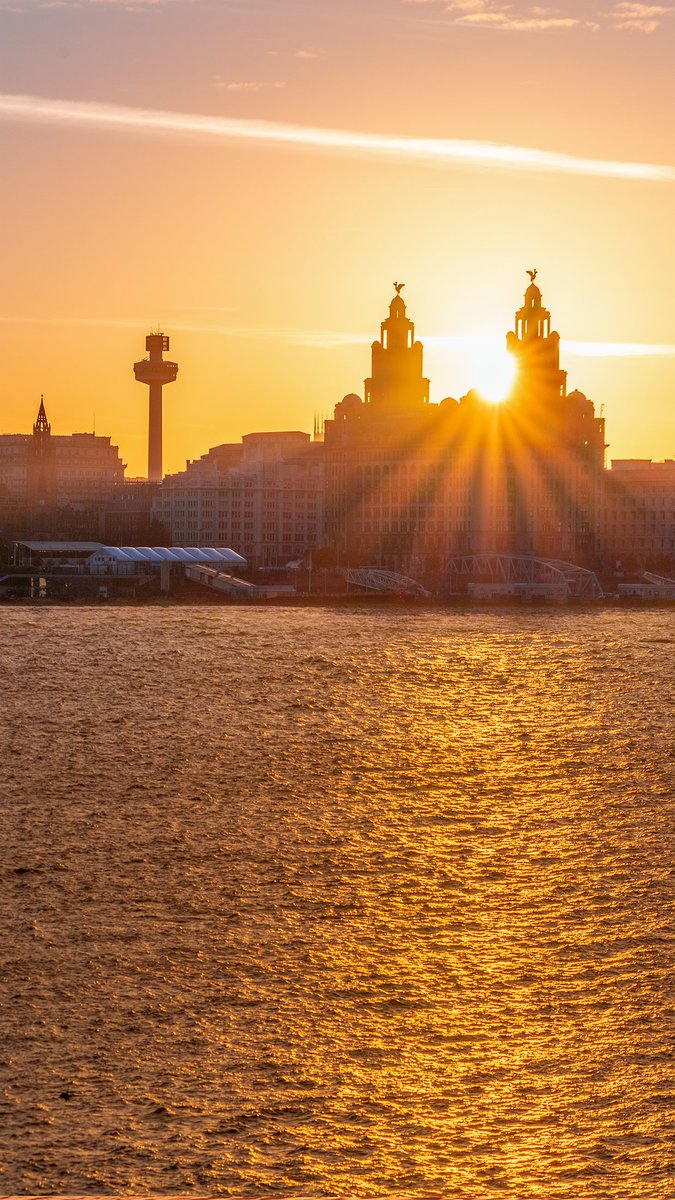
493	371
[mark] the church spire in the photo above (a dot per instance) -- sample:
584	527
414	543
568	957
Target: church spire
42	425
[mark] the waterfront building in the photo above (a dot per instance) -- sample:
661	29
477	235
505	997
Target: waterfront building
389	501
553	446
42	470
639	515
95	558
411	484
263	496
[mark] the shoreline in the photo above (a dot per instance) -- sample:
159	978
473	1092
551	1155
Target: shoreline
461	603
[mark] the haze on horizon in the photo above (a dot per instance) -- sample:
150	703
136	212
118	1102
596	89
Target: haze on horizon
254	175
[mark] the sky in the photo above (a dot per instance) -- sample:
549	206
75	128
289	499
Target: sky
252	176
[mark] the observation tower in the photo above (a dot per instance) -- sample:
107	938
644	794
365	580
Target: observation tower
155	371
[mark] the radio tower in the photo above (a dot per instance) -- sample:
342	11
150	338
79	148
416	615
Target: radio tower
155	372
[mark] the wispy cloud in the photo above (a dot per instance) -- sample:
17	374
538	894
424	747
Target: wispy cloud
639	18
331	339
442	151
303	53
248	85
574	349
319	339
618	349
130	5
629	15
522	19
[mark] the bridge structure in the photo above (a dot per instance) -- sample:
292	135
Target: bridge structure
523	575
389	583
659	579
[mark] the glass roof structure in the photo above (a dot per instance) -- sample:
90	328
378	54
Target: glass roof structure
149	555
175	554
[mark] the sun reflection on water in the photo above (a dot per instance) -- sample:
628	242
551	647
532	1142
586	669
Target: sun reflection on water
403	926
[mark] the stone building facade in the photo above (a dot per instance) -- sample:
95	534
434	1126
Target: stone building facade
410	484
639	515
46	470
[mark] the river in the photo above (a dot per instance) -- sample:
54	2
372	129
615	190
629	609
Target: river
326	902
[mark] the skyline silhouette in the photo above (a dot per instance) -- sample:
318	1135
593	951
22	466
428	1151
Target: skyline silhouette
390	480
500	370
252	182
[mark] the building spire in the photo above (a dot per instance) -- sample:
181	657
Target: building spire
397	384
42	424
536	348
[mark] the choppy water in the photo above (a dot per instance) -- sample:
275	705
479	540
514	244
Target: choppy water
318	902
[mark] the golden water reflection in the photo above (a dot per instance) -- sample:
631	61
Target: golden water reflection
365	903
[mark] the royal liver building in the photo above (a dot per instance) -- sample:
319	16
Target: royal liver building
410	485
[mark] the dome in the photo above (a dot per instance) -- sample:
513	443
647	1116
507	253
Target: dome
448	404
581	403
472	397
533	296
348	404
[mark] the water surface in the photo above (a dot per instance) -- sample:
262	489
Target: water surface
315	902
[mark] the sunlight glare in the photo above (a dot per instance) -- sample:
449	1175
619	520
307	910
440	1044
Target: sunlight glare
493	371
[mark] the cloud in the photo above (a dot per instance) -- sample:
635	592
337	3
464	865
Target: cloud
500	14
84	114
618	349
129	4
252	85
19	6
504	20
303	53
330	339
574	349
629	15
320	339
639	18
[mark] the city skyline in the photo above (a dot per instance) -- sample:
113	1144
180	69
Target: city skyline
253	176
498	370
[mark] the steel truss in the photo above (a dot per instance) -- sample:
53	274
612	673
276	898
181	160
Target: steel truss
387	582
659	579
523	570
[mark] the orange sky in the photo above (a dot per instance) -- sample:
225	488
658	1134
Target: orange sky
267	251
